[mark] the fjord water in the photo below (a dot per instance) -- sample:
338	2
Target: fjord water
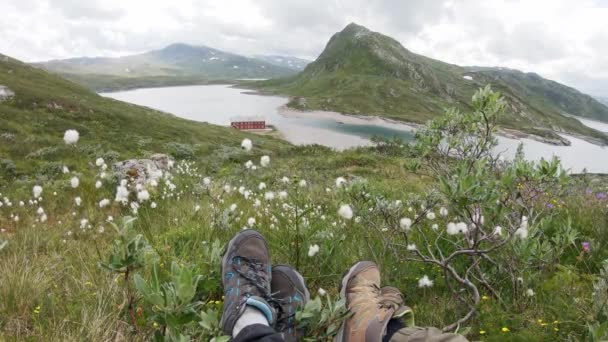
216	104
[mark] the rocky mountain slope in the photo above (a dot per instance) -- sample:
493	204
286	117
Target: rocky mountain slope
365	72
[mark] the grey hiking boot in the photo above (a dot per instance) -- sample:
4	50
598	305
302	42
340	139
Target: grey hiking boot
290	294
246	278
371	307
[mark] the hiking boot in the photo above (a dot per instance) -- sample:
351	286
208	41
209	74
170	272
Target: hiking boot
370	309
246	278
392	297
290	294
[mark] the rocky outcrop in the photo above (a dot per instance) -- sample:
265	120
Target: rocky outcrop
142	171
5	93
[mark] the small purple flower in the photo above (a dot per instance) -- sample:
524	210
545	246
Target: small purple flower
589	191
586	246
601	195
550	205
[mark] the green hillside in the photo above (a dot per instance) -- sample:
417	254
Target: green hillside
365	72
32	124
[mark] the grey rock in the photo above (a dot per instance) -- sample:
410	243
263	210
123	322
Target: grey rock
5	93
142	171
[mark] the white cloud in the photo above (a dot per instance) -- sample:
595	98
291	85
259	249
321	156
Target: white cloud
558	39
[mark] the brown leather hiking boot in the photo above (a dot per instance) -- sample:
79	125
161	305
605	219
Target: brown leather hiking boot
290	294
370	308
246	278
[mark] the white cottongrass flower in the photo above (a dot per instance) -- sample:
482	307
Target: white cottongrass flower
153	205
257	203
269	196
443	211
74	182
462	227
139	187
153	183
71	136
98	184
340	181
16	218
425	282
283	194
143	196
99	162
123	182
37	191
303	183
249	164
65	169
84	223
251	222
233	207
530	293
498	230
40	211
246	144
452	229
430	215
78	201
43	218
104	203
227	188
521	233
122	194
435	226
405	223
524	222
21	203
197	208
265	161
345	211
313	250
285	180
207	181
262	186
411	247
322	292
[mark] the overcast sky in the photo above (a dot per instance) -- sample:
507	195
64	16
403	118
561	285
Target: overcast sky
563	40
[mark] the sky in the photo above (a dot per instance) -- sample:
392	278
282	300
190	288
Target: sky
563	40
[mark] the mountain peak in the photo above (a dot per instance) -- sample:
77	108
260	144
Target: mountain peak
354	28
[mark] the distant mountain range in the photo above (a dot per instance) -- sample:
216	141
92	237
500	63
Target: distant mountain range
176	63
365	72
293	63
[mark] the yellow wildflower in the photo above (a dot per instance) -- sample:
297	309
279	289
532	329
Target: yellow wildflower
505	329
556	329
539	321
485	297
482	332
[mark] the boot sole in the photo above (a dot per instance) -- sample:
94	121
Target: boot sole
356	268
236	240
289	272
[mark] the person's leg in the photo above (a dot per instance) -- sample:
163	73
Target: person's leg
246	273
258	333
290	294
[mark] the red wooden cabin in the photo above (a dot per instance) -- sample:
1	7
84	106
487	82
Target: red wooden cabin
244	123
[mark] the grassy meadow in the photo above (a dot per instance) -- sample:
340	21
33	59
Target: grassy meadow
74	265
